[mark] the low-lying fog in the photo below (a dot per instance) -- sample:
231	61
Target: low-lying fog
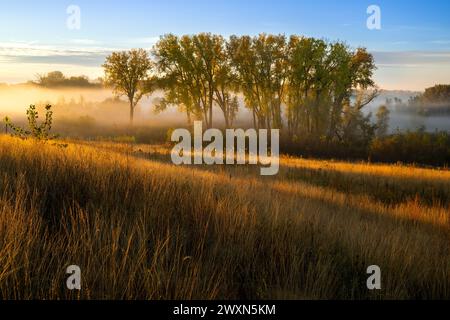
76	102
100	107
403	117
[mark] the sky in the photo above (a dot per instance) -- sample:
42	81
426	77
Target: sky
411	49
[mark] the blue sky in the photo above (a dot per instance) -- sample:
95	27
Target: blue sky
412	48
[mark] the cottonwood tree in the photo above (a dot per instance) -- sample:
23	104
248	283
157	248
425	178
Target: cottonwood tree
322	80
226	87
352	75
176	76
241	54
318	82
261	66
319	98
439	94
195	73
382	124
207	52
356	129
128	73
313	83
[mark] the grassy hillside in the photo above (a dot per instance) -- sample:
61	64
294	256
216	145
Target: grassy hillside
141	228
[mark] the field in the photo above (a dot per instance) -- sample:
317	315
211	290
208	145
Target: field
142	228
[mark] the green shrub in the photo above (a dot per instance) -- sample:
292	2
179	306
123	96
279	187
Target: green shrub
36	131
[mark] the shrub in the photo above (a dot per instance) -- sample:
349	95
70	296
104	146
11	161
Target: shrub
35	130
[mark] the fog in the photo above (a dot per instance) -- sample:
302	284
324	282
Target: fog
93	104
404	117
74	103
83	110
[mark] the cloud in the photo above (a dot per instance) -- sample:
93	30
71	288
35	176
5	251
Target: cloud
85	41
85	52
412	59
441	42
19	60
88	60
412	70
20	52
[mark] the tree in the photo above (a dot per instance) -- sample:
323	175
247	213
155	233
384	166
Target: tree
58	79
342	84
322	78
128	73
439	94
382	124
315	80
299	83
207	55
196	75
243	62
226	85
261	67
177	75
36	131
356	130
54	78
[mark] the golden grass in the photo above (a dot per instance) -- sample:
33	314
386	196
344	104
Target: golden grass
141	228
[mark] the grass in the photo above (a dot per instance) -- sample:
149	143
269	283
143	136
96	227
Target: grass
141	228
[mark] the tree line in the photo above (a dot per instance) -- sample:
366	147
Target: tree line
433	101
58	79
303	85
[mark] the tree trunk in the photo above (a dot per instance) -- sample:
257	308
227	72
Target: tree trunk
227	121
205	115
131	113
210	115
188	114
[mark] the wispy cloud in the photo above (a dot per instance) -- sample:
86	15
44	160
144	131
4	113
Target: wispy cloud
85	42
442	42
412	70
19	60
73	51
76	54
408	59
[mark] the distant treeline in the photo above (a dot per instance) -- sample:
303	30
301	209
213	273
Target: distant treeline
434	101
58	79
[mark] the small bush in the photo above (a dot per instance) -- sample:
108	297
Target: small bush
36	131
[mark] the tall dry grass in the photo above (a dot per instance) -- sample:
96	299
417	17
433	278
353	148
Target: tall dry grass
140	228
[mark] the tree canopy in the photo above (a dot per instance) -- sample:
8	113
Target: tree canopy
196	74
311	86
303	82
439	94
58	79
128	73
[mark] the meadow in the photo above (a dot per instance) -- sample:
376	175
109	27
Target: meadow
142	228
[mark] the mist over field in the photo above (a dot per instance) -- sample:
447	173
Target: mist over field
404	117
73	103
102	107
98	103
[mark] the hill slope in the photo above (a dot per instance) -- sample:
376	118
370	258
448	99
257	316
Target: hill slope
141	228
